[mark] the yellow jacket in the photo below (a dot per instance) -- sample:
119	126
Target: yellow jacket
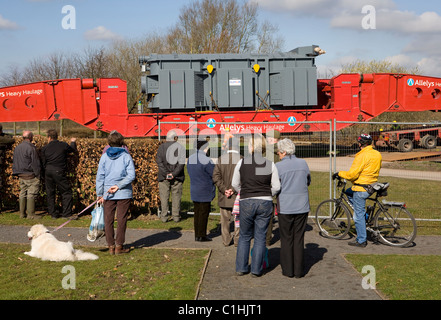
365	168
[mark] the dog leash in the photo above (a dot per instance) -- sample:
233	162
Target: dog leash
77	215
74	217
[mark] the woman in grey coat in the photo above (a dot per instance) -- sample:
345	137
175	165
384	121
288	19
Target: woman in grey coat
293	208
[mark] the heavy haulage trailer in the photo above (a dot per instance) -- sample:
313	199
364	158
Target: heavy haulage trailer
405	139
235	92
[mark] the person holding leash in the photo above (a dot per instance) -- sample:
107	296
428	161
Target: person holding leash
116	172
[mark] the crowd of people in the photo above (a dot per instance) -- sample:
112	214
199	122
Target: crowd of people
270	180
30	166
251	190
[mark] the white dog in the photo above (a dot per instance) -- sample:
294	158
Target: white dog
46	247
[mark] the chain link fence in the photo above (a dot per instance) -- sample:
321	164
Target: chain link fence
412	167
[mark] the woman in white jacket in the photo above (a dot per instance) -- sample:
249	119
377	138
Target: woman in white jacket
116	172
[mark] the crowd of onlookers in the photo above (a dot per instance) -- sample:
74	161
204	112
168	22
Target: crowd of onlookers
29	166
251	190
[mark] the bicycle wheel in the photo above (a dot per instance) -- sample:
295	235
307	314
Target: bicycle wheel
333	219
395	226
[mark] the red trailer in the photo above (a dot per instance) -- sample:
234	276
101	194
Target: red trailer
101	104
405	139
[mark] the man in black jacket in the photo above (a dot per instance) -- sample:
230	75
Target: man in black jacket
171	161
26	165
6	141
54	160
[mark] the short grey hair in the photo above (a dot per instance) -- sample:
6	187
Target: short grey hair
286	145
257	143
171	135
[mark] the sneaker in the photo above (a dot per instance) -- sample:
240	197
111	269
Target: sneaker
355	243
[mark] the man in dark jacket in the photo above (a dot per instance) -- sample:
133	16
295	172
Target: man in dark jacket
202	189
6	141
54	160
171	161
222	177
26	166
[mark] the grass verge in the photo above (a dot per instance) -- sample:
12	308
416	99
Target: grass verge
143	274
403	277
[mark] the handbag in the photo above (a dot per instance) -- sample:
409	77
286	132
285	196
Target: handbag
96	228
235	211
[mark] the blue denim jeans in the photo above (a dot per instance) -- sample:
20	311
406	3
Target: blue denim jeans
358	200
254	217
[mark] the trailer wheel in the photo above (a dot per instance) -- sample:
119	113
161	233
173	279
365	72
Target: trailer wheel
429	141
405	145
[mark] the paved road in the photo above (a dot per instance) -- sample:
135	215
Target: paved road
329	275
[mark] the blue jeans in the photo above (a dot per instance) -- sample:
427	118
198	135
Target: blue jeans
358	200
254	218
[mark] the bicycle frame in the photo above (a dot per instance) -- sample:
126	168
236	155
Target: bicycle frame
344	197
383	222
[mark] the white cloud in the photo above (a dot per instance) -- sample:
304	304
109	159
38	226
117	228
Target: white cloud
6	24
322	8
348	14
402	60
392	20
101	33
430	66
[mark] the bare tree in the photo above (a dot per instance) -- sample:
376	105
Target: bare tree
93	63
13	77
123	61
215	26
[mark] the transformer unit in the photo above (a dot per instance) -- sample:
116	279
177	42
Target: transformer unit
178	82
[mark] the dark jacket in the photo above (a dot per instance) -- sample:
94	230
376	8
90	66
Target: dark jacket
171	159
223	175
200	169
26	160
5	142
54	155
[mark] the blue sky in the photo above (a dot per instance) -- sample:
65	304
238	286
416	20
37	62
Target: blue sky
406	32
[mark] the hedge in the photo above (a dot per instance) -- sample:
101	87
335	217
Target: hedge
82	168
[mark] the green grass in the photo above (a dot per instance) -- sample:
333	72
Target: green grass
419	195
143	274
403	277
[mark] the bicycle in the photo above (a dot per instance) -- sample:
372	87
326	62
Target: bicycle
392	224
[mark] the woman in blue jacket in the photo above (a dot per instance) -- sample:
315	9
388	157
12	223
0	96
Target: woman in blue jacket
116	172
202	189
293	208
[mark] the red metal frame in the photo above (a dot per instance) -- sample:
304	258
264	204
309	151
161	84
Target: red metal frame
102	105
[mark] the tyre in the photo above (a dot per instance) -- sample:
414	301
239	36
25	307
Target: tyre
396	226
429	141
405	145
333	219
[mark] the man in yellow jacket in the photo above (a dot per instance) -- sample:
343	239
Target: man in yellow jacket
364	170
